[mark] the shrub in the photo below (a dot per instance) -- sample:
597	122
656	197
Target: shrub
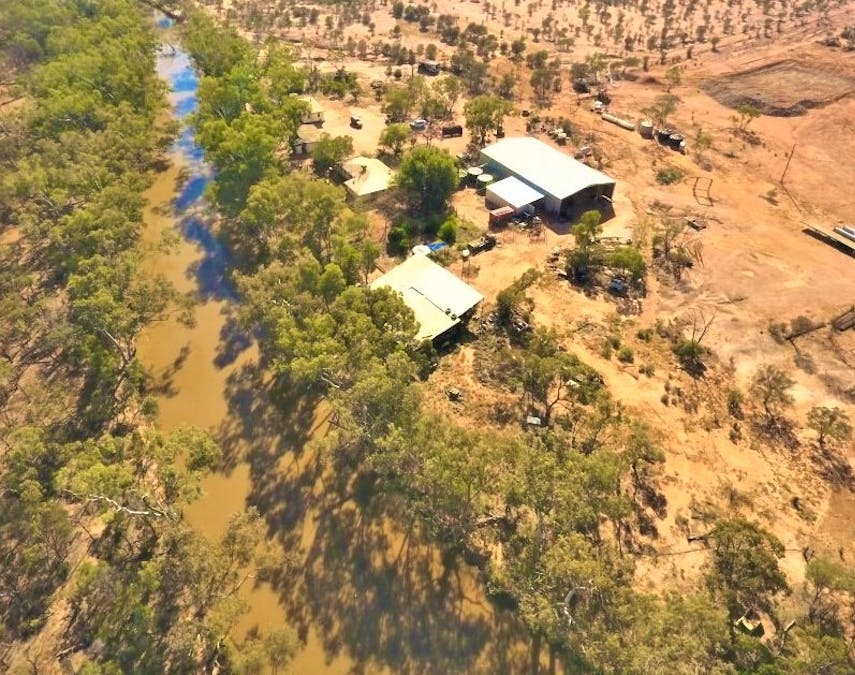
398	241
735	399
669	175
614	341
448	231
625	355
645	334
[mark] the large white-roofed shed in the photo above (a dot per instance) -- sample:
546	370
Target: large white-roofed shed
567	184
439	299
511	191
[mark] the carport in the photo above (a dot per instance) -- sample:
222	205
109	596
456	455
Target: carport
512	192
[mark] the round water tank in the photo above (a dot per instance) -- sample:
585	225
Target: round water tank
474	172
483	181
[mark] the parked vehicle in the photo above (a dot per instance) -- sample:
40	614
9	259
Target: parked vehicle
418	124
452	131
484	243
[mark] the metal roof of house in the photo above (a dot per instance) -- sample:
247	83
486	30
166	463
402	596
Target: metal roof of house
544	167
314	105
367	176
436	296
513	191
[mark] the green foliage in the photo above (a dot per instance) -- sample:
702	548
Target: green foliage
448	230
512	301
662	108
830	424
483	114
674	76
564	501
398	241
329	152
427	177
747	113
744	569
644	334
394	136
588	253
588	229
669	175
691	353
629	260
215	50
625	355
770	385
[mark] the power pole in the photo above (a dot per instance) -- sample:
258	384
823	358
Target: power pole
789	159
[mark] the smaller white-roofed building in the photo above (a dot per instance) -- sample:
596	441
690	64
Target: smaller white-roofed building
315	114
307	138
368	176
511	191
567	184
439	299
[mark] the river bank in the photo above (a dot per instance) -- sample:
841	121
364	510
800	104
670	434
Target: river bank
364	592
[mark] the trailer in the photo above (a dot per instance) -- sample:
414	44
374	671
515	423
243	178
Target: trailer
501	216
452	131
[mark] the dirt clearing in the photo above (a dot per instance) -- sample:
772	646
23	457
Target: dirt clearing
784	88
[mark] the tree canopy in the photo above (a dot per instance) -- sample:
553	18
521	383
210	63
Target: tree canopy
427	176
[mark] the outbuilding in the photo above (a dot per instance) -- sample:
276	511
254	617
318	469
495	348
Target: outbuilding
315	114
307	138
567	185
440	300
367	177
512	192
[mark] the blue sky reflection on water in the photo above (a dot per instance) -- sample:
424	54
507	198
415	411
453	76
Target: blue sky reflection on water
191	207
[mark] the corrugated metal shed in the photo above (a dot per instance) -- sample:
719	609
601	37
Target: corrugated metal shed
543	167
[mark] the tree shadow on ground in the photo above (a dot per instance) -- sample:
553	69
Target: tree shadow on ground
368	583
776	430
833	467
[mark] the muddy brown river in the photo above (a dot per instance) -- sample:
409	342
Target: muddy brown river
363	591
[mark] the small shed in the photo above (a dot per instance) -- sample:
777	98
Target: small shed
308	136
512	192
315	115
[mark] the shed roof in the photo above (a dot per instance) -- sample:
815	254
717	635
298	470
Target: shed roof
314	105
437	297
545	167
367	176
309	133
513	191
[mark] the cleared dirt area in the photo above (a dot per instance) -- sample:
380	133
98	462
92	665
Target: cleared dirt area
784	88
